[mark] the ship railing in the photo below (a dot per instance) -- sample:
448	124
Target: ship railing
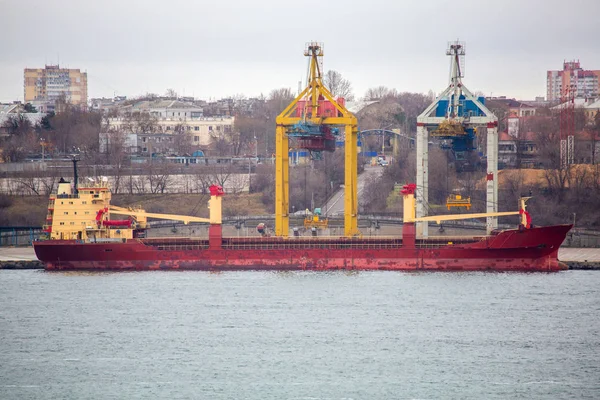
427	245
180	247
449	241
292	245
176	244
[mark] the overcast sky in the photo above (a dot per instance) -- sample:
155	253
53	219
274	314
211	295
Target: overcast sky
214	49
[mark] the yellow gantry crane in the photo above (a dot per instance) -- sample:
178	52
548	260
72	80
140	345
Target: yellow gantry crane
313	114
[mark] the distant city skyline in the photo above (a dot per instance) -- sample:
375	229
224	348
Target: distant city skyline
210	50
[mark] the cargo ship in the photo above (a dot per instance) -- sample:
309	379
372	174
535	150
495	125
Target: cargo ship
82	236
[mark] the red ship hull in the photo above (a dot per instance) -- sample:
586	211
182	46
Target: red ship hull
533	249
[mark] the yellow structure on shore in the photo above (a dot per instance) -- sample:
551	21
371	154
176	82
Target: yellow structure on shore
315	92
456	200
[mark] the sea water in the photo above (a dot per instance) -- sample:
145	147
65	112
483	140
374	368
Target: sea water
299	335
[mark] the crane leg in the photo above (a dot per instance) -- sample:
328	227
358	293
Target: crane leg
492	177
351	182
422	178
282	186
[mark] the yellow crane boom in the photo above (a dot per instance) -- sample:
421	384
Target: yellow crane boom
409	214
454	217
143	214
214	205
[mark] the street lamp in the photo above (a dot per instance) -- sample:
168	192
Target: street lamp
43	144
249	174
255	147
383	138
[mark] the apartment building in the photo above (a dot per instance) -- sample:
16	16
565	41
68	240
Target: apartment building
202	130
43	86
583	83
518	152
591	110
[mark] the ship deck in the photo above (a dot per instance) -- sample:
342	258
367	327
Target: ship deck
272	243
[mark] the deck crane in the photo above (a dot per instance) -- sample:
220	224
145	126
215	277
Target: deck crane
455	115
313	120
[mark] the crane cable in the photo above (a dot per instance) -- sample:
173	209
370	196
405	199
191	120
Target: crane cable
305	108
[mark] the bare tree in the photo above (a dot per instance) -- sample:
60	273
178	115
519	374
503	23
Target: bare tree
595	134
21	139
220	143
557	181
337	85
546	133
387	113
30	184
140	122
116	156
413	104
49	183
393	108
557	176
73	128
242	137
514	184
182	140
278	100
220	175
500	111
159	177
380	92
171	93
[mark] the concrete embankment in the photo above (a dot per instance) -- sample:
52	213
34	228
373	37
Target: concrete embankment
19	258
582	265
21	265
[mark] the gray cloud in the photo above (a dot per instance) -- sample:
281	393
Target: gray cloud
214	49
